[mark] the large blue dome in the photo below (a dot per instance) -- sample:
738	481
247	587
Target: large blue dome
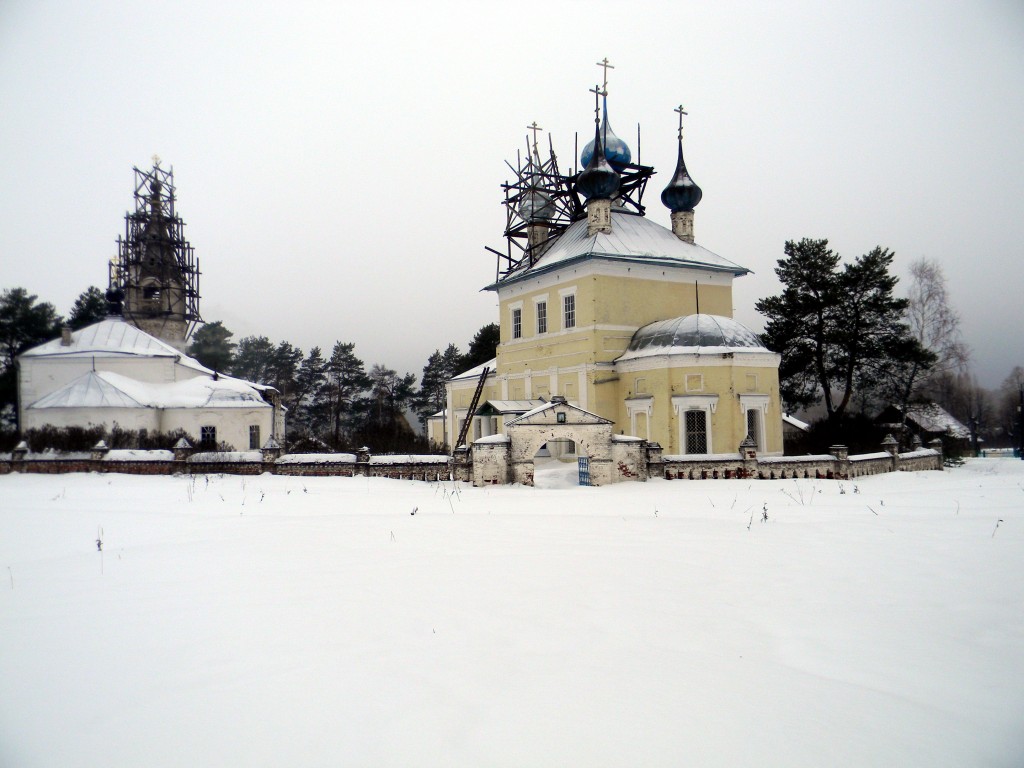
616	151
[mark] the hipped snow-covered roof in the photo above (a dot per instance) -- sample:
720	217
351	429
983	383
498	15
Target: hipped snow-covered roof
112	337
103	389
933	418
632	238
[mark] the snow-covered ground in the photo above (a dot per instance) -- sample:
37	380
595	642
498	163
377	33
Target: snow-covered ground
276	621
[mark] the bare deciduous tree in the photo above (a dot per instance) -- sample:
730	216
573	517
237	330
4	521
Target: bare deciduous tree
936	325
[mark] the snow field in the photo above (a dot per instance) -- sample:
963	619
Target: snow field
277	620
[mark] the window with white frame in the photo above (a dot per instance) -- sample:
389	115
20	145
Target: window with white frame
517	323
694	412
639	411
542	317
254	436
569	311
754	408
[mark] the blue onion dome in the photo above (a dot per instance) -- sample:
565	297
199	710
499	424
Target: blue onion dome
682	193
599	181
616	151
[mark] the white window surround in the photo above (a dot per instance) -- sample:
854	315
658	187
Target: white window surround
517	305
564	293
538	303
683	403
635	405
517	323
759	404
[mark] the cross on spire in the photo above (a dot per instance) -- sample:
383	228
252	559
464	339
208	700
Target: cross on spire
605	66
534	127
681	112
596	90
156	161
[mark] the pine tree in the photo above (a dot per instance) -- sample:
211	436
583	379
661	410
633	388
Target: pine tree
346	382
839	331
90	307
23	324
212	346
253	359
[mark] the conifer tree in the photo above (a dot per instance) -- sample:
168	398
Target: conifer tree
839	330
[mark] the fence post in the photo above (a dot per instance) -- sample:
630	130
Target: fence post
936	445
18	457
890	446
748	452
363	461
99	451
842	466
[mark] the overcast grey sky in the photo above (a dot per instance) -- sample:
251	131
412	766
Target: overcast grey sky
338	164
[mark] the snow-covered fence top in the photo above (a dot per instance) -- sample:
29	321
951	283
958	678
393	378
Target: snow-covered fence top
127	454
408	458
317	458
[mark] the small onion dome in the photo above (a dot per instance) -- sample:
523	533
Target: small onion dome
535	204
681	194
616	151
599	181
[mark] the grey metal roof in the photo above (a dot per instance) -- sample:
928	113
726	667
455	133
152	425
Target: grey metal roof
88	391
110	336
691	333
633	238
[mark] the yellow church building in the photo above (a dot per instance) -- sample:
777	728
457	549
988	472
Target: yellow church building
624	318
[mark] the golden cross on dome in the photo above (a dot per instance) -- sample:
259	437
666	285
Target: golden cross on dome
534	127
681	112
156	161
605	66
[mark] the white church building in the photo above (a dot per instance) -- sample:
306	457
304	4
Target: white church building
129	370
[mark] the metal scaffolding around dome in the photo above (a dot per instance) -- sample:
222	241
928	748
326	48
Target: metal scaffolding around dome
541	202
155	265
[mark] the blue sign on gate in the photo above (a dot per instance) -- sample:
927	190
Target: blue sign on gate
584	464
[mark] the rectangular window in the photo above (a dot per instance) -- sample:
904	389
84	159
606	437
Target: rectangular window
254	437
542	317
696	431
517	323
208	437
754	426
569	311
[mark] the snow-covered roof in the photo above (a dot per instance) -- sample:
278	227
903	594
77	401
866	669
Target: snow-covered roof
104	389
932	417
793	421
511	406
474	373
632	238
555	403
89	391
690	334
113	337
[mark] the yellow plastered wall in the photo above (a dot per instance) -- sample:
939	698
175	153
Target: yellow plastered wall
601	300
728	421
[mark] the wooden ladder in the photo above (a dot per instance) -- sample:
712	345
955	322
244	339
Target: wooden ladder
472	408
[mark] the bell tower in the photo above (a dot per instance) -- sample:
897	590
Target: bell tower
155	268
